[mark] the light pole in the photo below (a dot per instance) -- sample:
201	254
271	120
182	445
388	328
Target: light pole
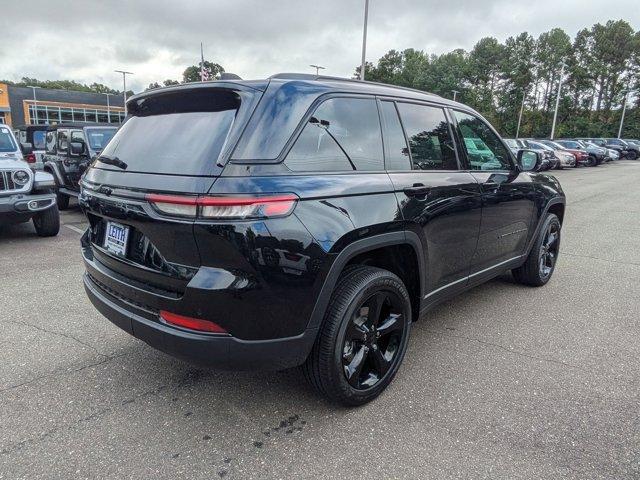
624	109
364	39
108	108
555	113
317	67
35	103
455	93
524	95
124	89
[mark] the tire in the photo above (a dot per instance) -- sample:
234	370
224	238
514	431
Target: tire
47	222
534	272
62	200
351	343
593	162
632	155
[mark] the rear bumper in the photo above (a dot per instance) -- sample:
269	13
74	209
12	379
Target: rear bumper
221	351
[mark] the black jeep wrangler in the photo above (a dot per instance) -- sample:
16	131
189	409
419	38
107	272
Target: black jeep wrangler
70	147
305	220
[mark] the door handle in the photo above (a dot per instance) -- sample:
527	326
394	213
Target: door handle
417	190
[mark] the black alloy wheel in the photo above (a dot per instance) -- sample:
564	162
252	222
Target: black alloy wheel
372	339
541	262
363	337
549	250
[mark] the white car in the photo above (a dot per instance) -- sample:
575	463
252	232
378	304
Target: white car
25	194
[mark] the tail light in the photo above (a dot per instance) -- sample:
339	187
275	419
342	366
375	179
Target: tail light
30	158
191	323
224	207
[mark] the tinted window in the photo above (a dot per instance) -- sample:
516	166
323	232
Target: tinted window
397	153
484	149
6	141
342	134
175	134
429	137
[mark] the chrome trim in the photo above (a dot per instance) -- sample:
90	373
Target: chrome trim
469	277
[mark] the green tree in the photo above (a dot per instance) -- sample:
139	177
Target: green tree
212	72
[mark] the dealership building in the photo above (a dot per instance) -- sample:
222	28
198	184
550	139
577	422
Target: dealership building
43	106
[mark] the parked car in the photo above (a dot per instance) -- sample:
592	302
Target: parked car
628	150
582	157
202	175
632	141
549	160
36	136
594	157
567	159
24	194
70	147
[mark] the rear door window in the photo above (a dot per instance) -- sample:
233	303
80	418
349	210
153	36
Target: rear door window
429	136
51	142
39	139
396	150
342	134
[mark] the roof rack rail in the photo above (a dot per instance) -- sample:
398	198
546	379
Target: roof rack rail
311	76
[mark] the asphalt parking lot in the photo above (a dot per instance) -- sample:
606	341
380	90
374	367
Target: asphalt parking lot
502	382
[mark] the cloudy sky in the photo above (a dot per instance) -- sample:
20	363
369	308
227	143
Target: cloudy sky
86	40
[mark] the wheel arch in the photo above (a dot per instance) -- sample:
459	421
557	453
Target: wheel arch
555	205
364	249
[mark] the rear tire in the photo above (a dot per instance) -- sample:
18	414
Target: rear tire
592	161
363	337
632	155
541	262
47	222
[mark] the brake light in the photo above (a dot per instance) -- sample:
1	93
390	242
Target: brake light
224	207
31	158
191	323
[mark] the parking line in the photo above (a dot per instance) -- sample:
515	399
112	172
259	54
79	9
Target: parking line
75	229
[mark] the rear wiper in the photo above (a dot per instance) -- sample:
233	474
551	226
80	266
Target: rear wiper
115	161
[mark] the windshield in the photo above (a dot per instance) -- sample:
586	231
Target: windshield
7	143
99	137
511	143
540	146
179	134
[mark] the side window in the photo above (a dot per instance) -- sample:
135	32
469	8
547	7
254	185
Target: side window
484	149
429	137
342	134
63	140
51	142
397	152
77	136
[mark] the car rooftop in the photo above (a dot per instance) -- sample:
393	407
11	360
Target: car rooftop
332	84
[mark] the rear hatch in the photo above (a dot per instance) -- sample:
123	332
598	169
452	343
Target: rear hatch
175	142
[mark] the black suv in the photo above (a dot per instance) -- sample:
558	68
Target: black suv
70	147
305	220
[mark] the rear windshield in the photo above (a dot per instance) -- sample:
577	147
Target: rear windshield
181	133
99	137
7	144
39	139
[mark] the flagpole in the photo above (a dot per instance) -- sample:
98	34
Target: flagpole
201	63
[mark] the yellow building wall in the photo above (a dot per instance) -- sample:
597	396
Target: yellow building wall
4	102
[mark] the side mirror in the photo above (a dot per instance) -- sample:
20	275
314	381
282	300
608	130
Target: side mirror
77	149
529	160
26	148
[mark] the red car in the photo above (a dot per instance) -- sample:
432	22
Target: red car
582	157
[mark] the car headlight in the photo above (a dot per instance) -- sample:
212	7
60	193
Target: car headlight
20	177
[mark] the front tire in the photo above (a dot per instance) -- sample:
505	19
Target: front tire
47	222
632	155
363	338
541	262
